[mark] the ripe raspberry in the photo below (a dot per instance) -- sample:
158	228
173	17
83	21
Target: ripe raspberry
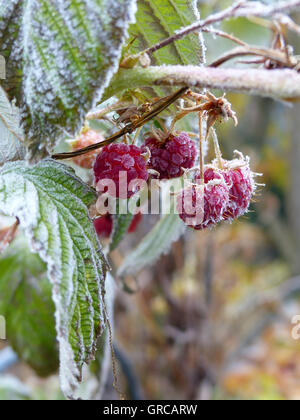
85	139
104	225
117	158
135	222
202	206
170	156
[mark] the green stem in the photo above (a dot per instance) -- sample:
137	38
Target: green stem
278	84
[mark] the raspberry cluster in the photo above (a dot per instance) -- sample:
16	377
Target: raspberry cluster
170	156
125	165
225	194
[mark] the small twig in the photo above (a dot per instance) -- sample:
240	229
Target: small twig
270	54
223	34
288	23
129	128
101	113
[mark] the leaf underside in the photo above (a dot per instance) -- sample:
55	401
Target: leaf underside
60	57
52	206
158	242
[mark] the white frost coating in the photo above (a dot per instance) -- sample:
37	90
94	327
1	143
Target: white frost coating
130	19
196	11
11	135
50	203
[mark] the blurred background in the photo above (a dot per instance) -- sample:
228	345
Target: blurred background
213	319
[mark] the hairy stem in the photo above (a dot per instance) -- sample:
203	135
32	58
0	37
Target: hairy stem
278	84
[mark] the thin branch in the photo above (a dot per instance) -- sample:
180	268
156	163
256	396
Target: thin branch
280	84
225	35
238	9
288	22
129	128
271	54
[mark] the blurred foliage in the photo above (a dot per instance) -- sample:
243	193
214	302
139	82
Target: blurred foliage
27	305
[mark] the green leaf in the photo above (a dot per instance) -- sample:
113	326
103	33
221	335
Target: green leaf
52	206
11	135
28	308
103	358
60	57
121	223
156	243
157	20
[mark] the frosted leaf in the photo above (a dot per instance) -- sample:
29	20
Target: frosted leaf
61	55
11	135
51	204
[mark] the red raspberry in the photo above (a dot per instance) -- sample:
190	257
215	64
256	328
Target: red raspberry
170	156
85	139
104	226
211	206
117	158
135	222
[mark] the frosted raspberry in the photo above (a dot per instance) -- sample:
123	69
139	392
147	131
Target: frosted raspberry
135	222
86	139
104	225
170	156
240	179
116	159
202	206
